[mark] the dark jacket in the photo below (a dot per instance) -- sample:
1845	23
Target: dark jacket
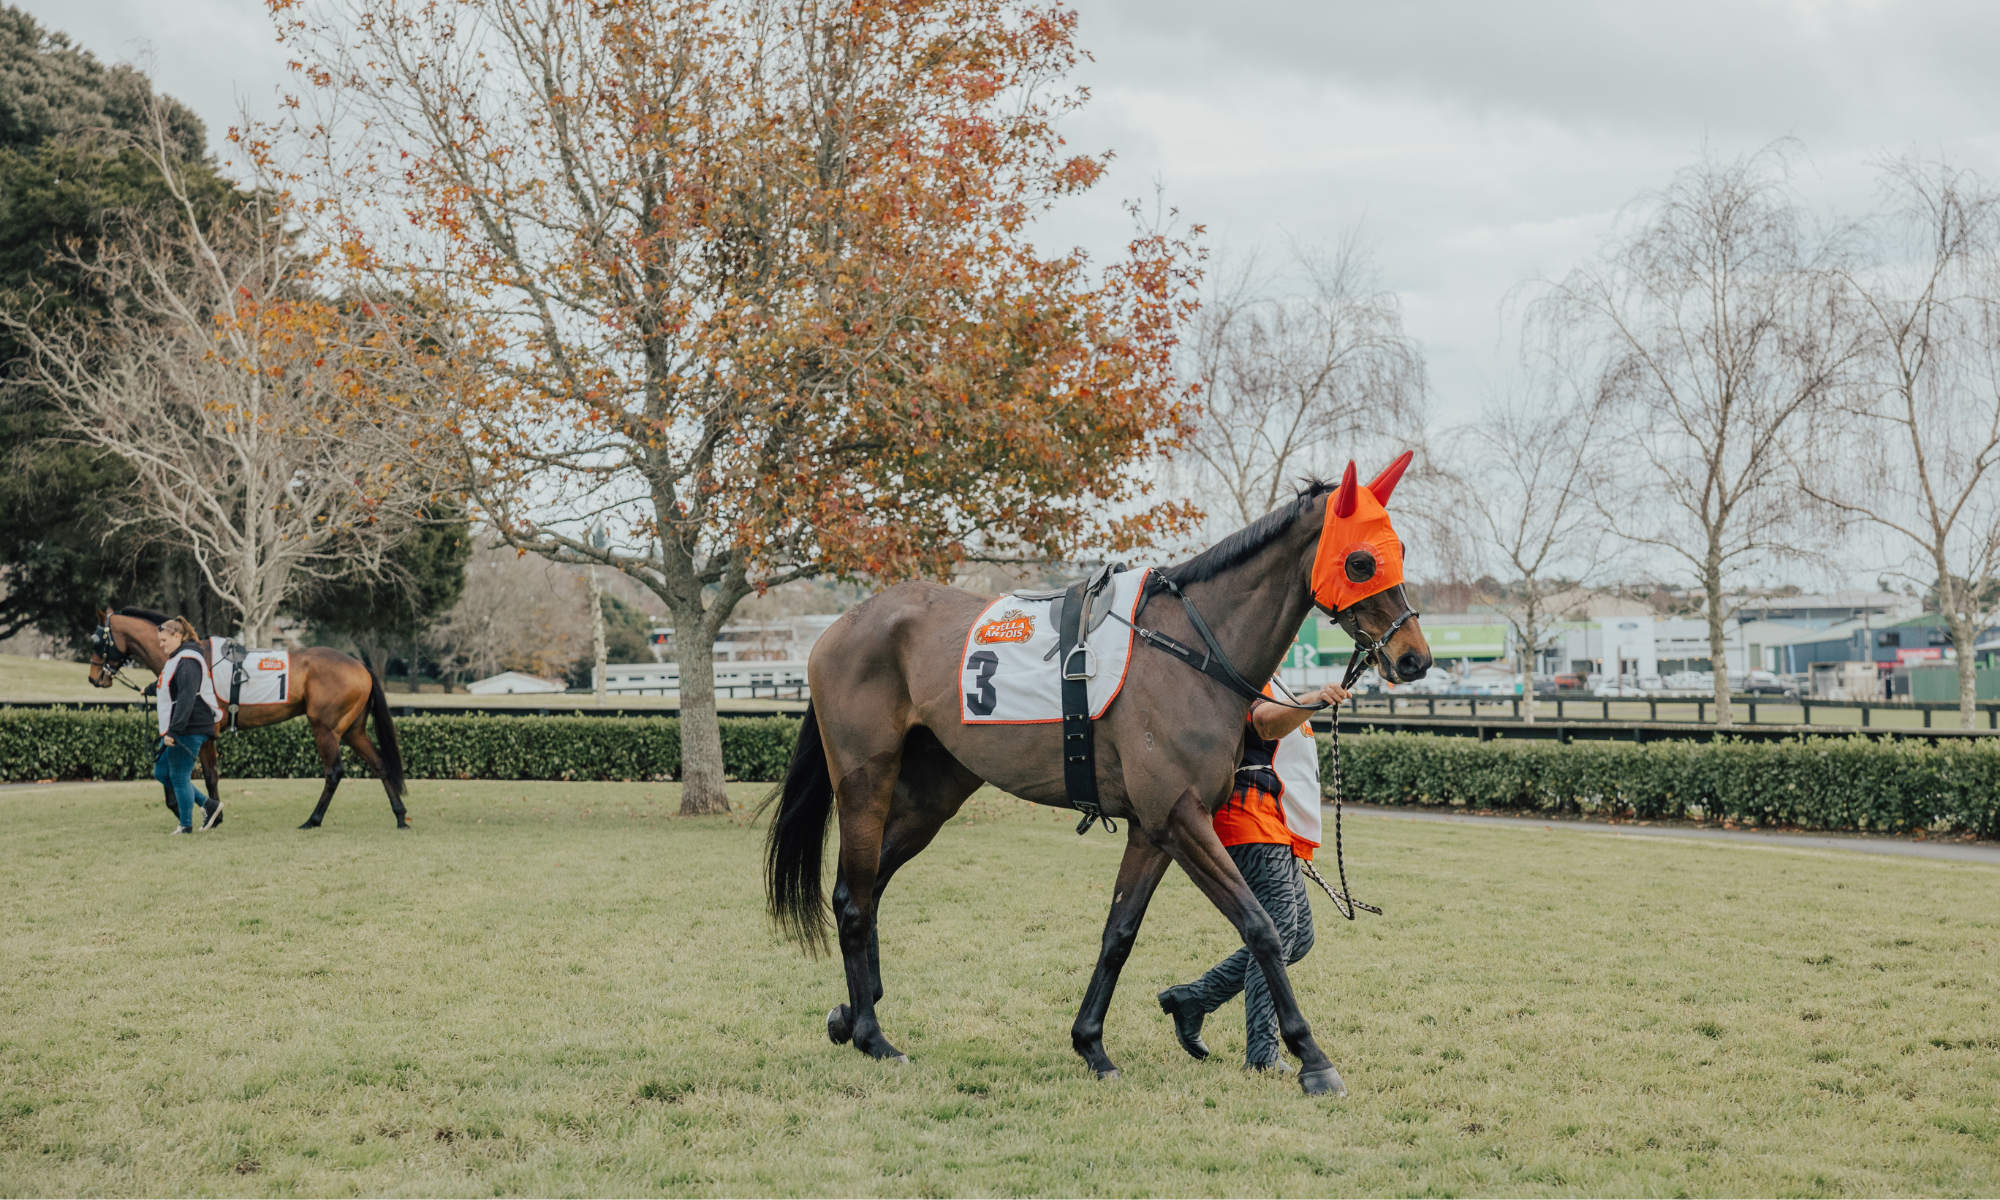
189	715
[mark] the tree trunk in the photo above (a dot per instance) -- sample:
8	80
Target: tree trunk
597	679
1964	631
1718	653
1528	641
702	789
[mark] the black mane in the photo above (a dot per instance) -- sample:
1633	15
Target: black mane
144	614
1246	541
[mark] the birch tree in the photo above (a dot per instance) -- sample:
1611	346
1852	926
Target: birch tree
1716	326
1534	467
1912	448
259	432
1302	369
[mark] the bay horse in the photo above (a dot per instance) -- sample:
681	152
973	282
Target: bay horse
883	747
333	691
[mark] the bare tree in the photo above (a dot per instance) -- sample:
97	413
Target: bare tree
519	612
1715	326
258	430
1302	371
1534	468
1913	445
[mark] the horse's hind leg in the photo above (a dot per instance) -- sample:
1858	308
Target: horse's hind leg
328	744
902	840
358	739
930	787
1139	873
212	777
1190	838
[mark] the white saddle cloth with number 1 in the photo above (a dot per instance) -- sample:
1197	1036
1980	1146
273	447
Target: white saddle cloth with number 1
267	674
1012	675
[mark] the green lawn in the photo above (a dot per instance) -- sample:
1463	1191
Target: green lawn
23	678
560	989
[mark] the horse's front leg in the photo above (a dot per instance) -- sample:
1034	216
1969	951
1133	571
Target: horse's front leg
1140	872
1193	844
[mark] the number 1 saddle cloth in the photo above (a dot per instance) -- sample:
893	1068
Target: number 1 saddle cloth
266	674
1011	672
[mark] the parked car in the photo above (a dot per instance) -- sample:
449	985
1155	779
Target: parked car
1766	683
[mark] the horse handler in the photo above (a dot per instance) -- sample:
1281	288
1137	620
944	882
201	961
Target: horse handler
1270	822
188	709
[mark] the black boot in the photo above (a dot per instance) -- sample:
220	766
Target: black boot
1176	1003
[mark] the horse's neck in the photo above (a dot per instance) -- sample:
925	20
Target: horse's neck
142	641
1257	606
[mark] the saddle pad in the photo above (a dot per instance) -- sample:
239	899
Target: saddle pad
267	674
1010	678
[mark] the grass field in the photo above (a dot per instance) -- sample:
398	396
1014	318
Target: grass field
559	989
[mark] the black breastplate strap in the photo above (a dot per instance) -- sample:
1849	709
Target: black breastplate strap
1079	742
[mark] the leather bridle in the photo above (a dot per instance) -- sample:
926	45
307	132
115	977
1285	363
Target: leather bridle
1216	665
108	657
1364	649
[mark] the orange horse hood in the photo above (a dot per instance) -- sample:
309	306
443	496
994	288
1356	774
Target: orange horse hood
1359	552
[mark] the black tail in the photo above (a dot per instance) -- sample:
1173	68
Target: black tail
797	843
385	737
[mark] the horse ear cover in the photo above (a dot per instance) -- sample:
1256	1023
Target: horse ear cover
1358	525
1386	482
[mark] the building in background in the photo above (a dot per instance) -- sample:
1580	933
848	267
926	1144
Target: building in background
512	683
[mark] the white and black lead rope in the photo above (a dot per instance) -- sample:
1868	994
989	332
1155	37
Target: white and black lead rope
1343	902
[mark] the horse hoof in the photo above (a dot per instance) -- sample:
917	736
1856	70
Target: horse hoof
901	1060
1323	1082
838	1028
1110	1074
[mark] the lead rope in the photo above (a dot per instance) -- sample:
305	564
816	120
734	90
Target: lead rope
1343	902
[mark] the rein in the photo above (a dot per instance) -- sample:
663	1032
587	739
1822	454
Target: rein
1216	665
105	643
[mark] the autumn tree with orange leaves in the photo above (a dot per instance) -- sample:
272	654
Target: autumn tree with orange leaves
752	285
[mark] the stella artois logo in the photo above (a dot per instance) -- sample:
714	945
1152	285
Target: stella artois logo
1010	626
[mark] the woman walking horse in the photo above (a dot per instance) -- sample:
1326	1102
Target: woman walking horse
334	692
884	743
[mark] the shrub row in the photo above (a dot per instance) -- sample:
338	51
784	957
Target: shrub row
64	744
1816	782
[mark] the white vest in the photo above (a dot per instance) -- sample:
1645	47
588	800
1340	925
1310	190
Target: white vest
1296	763
165	701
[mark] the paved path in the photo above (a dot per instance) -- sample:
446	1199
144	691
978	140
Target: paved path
1978	852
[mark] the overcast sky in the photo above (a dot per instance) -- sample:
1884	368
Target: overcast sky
1477	145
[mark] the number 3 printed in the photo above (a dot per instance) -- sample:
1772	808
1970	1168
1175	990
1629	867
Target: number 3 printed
981	702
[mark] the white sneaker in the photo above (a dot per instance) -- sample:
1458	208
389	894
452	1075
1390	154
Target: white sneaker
179	829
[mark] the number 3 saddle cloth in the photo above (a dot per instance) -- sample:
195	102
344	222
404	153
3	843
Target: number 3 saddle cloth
1011	673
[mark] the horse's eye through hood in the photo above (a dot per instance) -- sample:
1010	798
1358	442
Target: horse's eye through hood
1359	552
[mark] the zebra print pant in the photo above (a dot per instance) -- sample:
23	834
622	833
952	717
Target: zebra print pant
1275	879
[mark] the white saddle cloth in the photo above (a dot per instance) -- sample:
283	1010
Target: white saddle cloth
267	674
1010	676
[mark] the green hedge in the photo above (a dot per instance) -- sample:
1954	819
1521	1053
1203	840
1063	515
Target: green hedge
1816	782
65	744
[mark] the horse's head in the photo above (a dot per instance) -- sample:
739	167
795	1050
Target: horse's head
1358	577
106	655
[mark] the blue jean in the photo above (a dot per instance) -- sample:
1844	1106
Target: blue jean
175	769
